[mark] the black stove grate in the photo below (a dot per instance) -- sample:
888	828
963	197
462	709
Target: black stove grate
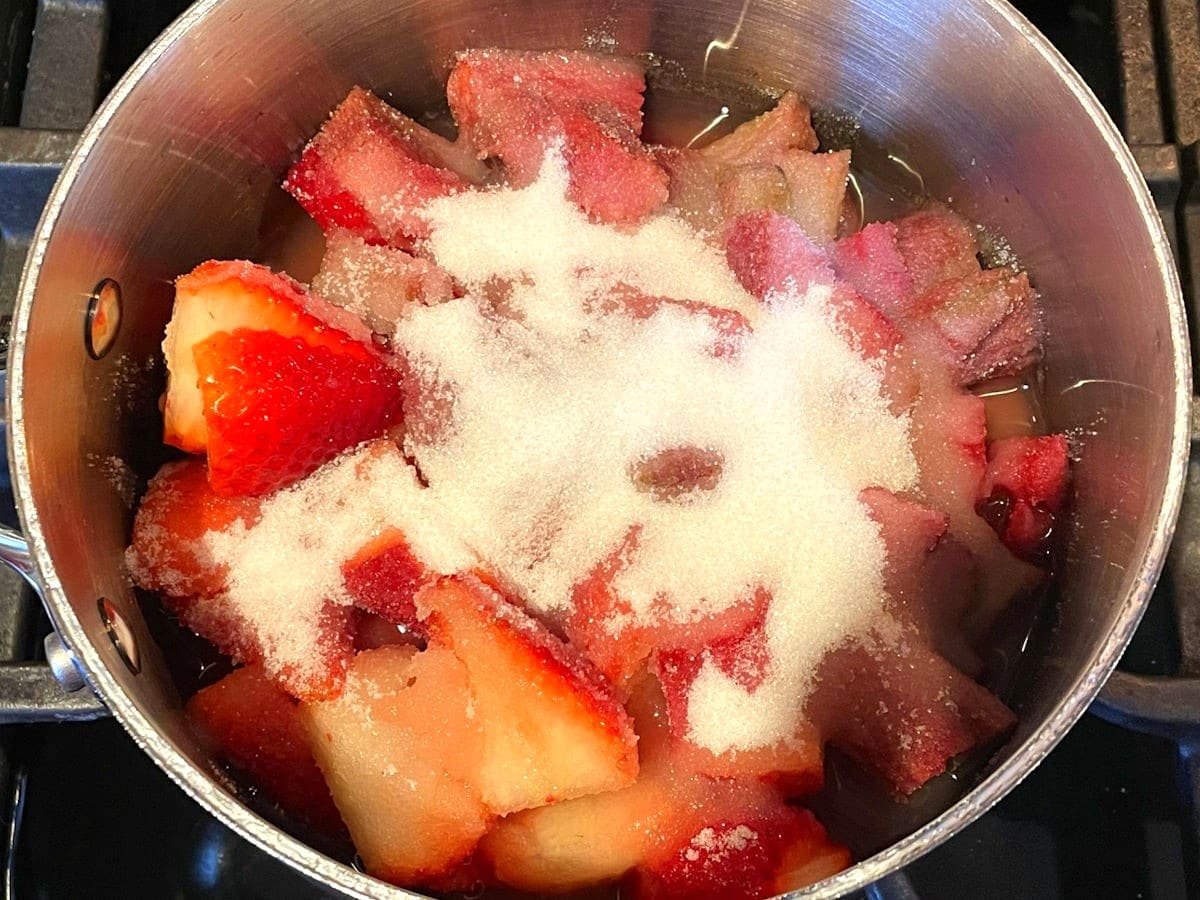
88	814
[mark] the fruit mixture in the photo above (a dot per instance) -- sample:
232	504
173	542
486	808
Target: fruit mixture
590	490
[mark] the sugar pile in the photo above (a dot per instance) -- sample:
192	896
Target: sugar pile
553	403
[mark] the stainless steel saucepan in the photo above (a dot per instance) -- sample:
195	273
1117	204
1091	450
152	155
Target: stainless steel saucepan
177	164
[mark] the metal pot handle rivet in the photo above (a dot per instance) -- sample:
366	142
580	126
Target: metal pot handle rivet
103	318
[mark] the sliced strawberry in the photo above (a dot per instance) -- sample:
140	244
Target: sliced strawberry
515	105
937	244
871	262
399	750
816	186
223	296
902	710
775	851
276	408
371	170
552	729
1024	490
384	577
787	126
769	252
377	284
257	728
168	555
177	510
595	839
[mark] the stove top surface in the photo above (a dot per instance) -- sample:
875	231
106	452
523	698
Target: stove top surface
1103	816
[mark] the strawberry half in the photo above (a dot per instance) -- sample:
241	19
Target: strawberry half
257	728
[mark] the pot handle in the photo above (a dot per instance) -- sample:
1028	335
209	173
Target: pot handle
54	690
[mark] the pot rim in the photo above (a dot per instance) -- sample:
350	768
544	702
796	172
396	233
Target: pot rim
198	783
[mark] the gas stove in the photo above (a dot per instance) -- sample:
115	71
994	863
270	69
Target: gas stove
1111	813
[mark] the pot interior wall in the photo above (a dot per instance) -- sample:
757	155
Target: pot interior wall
182	168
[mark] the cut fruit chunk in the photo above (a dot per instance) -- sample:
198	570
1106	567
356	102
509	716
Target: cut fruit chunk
377	284
384	577
223	296
780	850
787	126
168	555
816	186
266	392
277	408
177	510
770	253
936	244
871	262
594	839
902	710
400	752
371	170
515	105
552	729
1024	490
257	728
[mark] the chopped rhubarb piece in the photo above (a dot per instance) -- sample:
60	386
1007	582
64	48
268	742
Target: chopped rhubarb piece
552	729
783	849
745	189
377	284
1024	490
769	252
257	728
515	106
902	710
694	188
936	244
787	126
602	626
678	472
384	577
400	751
224	296
986	319
870	332
371	170
816	186
872	263
729	324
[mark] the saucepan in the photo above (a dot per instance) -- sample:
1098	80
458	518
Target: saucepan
184	156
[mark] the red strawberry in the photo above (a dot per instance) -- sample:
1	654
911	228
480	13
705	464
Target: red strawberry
276	408
370	170
256	727
1024	490
764	854
168	555
552	729
513	105
177	510
224	296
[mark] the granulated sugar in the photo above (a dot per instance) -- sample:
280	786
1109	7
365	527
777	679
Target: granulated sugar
283	570
552	408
